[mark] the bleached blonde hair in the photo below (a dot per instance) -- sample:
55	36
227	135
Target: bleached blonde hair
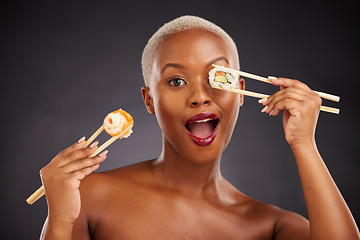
177	25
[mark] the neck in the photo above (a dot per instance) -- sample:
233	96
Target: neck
186	176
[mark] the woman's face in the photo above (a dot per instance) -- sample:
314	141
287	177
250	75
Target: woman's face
196	120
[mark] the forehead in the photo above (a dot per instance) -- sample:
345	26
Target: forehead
194	46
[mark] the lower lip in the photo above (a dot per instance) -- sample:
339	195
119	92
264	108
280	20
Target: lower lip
204	141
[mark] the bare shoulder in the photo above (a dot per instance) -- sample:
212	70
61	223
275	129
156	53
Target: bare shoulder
290	225
272	220
117	188
98	186
101	192
287	224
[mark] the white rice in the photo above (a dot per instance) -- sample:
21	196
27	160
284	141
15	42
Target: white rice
117	124
231	74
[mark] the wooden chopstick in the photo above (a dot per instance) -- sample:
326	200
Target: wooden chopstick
92	138
41	191
110	141
36	195
260	95
263	79
243	92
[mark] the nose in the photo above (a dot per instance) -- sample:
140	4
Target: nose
200	94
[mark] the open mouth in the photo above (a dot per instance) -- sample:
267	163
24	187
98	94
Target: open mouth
202	128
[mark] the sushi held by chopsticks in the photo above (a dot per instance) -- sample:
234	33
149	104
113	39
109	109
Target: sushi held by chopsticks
117	124
227	79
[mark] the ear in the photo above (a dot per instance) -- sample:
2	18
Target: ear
242	87
148	100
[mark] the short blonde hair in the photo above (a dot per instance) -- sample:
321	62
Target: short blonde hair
177	25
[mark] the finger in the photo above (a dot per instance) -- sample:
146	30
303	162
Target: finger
286	82
72	180
58	158
80	164
76	146
294	94
80	175
299	103
287	104
79	154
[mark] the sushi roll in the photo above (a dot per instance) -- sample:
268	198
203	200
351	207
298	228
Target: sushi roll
117	122
224	77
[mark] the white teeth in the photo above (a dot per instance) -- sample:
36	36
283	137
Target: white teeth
204	120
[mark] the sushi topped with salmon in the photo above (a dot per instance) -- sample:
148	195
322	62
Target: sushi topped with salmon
118	122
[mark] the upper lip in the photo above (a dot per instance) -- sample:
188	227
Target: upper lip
203	116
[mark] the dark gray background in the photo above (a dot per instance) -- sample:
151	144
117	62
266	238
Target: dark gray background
64	66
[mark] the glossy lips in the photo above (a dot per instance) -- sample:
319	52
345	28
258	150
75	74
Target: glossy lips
202	128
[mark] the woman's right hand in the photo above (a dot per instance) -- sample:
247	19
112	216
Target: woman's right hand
61	179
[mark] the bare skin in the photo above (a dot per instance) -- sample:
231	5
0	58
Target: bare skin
182	194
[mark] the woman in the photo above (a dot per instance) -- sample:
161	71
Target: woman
182	194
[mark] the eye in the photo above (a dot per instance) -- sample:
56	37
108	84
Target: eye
177	82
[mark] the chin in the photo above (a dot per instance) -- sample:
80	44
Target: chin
201	155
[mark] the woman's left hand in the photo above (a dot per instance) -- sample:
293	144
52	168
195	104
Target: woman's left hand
301	108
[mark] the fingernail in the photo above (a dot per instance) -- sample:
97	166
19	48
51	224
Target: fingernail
94	144
270	114
81	139
103	153
262	100
264	109
272	77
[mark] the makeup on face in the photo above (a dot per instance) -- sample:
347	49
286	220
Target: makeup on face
196	120
202	127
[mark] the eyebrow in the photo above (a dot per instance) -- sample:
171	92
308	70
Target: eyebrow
218	59
174	65
179	66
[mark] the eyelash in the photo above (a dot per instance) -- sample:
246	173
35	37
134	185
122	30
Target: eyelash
171	81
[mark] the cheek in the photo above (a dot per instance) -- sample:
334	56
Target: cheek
230	105
168	110
229	102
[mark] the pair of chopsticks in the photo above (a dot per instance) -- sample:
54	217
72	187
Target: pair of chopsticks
267	80
41	191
